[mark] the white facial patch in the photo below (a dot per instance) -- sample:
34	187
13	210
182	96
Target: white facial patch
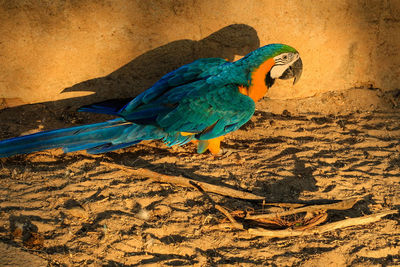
278	70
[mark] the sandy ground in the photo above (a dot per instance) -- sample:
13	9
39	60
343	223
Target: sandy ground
329	147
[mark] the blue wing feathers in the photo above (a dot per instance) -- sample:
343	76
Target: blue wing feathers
199	69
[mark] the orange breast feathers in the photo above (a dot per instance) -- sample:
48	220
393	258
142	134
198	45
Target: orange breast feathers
257	88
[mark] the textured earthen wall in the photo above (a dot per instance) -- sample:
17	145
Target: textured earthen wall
118	48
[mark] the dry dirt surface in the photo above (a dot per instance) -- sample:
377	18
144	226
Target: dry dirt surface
71	210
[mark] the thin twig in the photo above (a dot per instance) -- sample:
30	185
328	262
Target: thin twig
284	205
198	187
183	181
342	205
323	228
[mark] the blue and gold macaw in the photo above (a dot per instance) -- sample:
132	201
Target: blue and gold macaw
201	102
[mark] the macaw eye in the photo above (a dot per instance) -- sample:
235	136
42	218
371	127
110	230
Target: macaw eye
285	57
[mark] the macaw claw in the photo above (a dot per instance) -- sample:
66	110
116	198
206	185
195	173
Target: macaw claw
213	145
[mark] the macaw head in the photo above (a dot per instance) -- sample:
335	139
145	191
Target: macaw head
287	65
274	61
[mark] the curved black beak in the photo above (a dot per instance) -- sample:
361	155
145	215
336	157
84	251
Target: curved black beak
294	70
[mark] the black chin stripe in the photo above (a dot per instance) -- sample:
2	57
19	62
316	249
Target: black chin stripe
268	80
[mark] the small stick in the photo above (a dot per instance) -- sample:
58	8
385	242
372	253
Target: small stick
234	223
323	228
225	191
320	218
342	205
285	205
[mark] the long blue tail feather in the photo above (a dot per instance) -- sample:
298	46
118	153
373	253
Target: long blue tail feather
109	147
74	148
70	139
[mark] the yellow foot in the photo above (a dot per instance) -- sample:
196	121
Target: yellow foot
213	145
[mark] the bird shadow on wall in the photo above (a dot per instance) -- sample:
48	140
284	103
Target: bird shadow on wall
127	82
